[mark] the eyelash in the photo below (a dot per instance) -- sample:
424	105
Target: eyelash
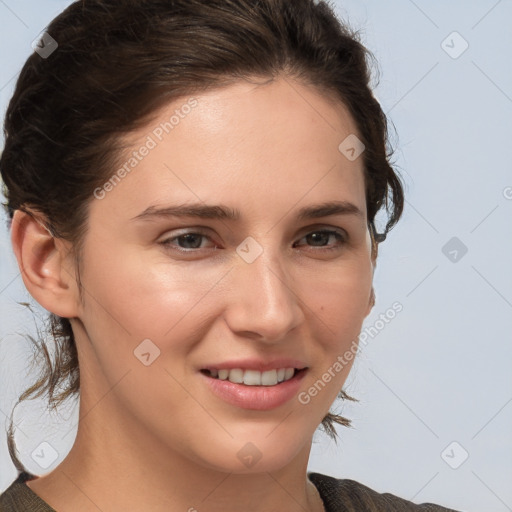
341	237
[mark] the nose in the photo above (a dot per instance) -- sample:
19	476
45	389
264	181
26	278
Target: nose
264	305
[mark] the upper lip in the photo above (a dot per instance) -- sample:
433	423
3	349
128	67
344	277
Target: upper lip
257	364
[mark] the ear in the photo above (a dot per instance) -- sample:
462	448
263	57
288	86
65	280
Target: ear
371	302
46	265
374	252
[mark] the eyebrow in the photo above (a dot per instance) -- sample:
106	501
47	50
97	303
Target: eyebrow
222	212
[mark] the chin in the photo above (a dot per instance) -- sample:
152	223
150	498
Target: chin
257	450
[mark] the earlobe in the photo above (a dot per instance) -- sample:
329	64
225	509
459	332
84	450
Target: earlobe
44	262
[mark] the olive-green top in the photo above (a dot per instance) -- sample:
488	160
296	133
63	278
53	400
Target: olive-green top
337	495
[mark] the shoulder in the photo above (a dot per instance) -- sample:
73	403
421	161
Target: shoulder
18	497
350	496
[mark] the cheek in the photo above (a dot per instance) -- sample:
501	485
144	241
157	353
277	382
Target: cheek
338	309
340	300
131	298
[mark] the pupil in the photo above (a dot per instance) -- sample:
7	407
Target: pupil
318	237
190	238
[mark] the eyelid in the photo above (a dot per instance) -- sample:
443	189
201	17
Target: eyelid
324	227
193	230
337	230
165	241
340	234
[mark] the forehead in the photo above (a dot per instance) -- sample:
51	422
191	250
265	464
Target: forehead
252	144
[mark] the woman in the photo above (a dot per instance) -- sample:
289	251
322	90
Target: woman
193	187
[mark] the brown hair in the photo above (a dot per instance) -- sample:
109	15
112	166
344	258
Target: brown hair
117	63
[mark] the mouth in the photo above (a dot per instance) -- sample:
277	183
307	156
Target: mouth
254	383
249	377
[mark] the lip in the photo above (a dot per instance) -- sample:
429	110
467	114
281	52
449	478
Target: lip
256	398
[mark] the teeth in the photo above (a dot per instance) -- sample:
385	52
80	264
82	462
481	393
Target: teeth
254	377
269	378
288	374
236	376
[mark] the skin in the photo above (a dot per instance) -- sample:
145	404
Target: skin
156	434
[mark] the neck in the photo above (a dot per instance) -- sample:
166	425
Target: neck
115	465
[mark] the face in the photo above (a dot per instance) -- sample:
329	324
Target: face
227	321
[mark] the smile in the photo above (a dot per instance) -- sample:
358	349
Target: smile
253	377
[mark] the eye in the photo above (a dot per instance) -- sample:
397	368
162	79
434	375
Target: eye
193	241
186	242
320	238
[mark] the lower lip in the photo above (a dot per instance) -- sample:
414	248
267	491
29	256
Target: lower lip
257	398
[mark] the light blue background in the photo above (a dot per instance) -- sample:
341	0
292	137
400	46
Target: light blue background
441	370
